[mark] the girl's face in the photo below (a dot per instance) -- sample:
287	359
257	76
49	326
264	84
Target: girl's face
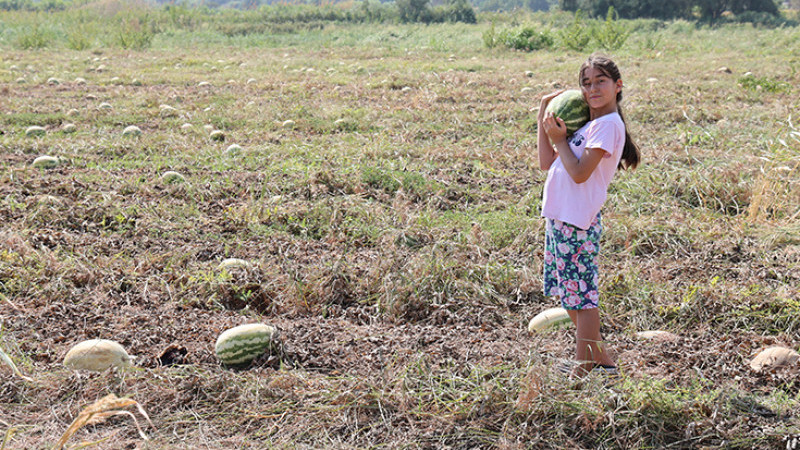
600	92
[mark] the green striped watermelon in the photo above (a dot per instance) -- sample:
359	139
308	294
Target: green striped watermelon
241	345
571	107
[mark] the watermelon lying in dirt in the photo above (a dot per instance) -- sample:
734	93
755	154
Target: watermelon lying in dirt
570	107
97	355
240	345
548	318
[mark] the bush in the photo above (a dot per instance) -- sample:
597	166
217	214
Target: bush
611	34
34	37
459	11
764	19
490	37
527	39
414	11
135	33
576	36
81	36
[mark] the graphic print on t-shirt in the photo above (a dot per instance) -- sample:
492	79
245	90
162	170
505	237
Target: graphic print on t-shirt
577	139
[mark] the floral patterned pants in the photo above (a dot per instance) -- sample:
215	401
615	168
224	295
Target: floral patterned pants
570	271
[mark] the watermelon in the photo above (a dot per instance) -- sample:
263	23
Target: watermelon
35	131
571	107
240	345
774	357
46	162
132	130
548	318
657	335
233	263
172	177
97	355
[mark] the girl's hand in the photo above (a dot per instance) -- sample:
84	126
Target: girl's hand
546	101
555	128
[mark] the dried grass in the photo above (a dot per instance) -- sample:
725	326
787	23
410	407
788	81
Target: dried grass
100	411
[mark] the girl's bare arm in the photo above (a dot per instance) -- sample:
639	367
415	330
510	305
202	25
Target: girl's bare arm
547	154
578	169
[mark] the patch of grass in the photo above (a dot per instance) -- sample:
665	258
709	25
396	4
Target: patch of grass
755	83
34	37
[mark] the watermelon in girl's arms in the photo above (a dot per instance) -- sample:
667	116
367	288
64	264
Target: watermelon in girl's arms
571	107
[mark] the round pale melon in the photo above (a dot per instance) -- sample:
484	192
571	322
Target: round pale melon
240	345
217	135
168	111
35	131
97	355
657	335
132	130
171	177
46	162
774	357
233	263
548	318
233	150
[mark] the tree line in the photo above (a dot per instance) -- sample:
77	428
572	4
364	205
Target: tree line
765	12
673	9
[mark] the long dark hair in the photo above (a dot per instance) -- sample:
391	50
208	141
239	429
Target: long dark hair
630	152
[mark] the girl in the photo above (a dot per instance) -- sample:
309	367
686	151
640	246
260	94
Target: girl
579	169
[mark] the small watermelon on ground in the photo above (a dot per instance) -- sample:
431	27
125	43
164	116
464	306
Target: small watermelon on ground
233	263
548	318
571	107
657	335
35	131
217	135
97	355
172	177
46	162
132	130
774	357
238	346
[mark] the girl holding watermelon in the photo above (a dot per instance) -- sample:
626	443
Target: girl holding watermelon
580	167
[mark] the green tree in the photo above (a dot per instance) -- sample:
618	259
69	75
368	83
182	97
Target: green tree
766	6
712	10
414	10
459	11
537	5
568	5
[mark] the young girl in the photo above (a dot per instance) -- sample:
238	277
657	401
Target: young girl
579	169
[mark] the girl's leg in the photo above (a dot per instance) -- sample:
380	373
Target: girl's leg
589	348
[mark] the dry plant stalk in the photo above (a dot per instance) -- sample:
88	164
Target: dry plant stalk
101	410
5	299
9	434
10	363
531	388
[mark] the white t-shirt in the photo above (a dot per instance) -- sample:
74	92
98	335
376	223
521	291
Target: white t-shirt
578	204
